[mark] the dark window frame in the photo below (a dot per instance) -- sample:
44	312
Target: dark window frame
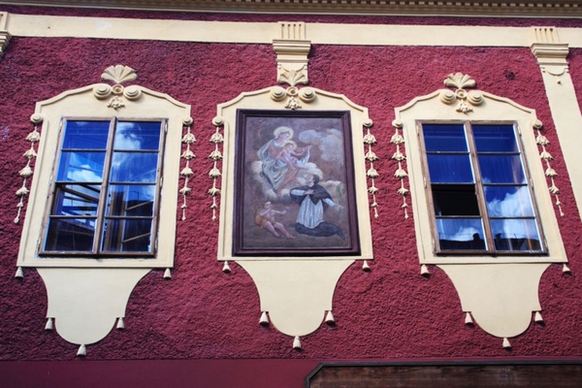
479	191
97	251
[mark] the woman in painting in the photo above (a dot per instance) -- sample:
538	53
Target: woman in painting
279	159
313	200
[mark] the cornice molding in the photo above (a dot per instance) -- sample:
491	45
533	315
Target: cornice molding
520	8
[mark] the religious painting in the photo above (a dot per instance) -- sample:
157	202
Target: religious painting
294	185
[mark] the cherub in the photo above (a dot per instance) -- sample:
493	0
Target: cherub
265	218
290	154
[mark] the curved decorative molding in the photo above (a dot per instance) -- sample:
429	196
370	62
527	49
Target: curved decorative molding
84	305
297	295
464	99
501	298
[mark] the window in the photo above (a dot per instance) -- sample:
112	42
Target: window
106	177
105	188
478	190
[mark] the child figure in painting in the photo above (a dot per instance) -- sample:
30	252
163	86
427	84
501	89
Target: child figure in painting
290	155
265	218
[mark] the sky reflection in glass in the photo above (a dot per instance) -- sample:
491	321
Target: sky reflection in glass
134	167
450	169
515	235
494	138
137	135
81	166
508	201
444	137
460	233
501	169
86	134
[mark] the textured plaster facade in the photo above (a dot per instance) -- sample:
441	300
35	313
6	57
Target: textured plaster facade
390	313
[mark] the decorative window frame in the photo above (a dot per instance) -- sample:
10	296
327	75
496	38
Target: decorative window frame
266	99
295	292
102	101
460	106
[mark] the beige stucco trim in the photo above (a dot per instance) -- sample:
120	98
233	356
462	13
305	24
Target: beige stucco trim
568	122
85	303
551	53
261	99
241	32
492	109
82	103
500	297
296	294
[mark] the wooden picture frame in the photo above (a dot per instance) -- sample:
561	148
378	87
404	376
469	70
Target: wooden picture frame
294	184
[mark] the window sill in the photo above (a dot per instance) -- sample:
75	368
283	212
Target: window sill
48	261
506	259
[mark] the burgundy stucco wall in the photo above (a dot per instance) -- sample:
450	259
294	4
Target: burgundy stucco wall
390	313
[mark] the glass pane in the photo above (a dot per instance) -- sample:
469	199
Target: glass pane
86	134
508	201
137	135
76	200
131	200
134	167
71	234
127	235
81	166
461	233
450	169
516	235
495	138
501	169
444	137
455	200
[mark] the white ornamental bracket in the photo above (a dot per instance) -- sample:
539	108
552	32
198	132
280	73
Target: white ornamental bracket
292	50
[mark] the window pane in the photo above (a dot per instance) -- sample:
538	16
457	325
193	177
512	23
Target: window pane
455	200
444	137
81	166
508	201
134	167
516	235
76	200
86	134
460	233
501	169
450	169
137	135
131	200
127	235
71	234
495	138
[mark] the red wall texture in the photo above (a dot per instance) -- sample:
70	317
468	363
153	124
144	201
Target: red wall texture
388	314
